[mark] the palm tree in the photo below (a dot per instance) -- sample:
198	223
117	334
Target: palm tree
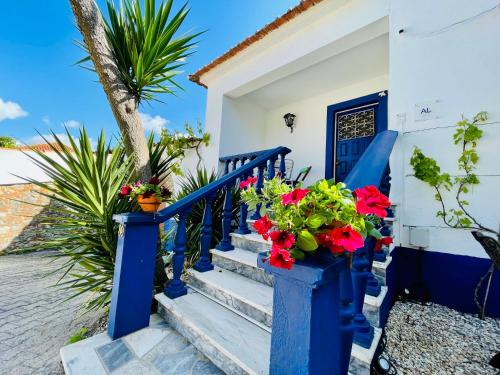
136	55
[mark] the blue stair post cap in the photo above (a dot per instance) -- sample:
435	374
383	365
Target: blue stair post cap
139	218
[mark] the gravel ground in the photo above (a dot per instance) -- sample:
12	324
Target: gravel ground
436	340
34	323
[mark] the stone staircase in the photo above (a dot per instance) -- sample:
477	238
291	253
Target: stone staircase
227	313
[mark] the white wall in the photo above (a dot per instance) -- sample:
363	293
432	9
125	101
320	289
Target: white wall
14	162
308	140
458	66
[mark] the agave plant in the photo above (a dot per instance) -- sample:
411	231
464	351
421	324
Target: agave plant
146	47
84	183
189	184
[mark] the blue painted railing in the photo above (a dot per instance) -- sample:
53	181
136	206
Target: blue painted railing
370	169
138	235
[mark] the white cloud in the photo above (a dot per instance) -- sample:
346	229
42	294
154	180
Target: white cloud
46	120
39	138
11	111
72	124
154	124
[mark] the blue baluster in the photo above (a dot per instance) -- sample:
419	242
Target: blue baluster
204	264
381	256
283	167
270	170
235	162
176	287
227	217
243	225
226	167
373	287
258	188
346	316
363	331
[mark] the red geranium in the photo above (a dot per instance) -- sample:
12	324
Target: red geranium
282	239
369	200
280	258
384	241
263	225
154	181
294	197
248	182
347	238
125	191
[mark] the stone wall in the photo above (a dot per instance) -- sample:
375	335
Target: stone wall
21	223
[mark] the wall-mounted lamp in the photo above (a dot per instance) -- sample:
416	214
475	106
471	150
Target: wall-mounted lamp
289	119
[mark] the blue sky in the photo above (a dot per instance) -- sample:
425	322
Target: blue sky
40	88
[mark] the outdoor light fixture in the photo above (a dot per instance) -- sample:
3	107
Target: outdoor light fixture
289	119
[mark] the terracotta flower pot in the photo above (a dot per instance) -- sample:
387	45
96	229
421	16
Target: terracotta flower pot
149	204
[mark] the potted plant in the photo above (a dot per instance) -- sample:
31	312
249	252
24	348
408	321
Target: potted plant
313	233
149	195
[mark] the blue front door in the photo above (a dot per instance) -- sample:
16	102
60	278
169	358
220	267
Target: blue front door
351	126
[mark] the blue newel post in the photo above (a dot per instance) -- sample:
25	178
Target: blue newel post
363	331
373	287
204	264
133	277
312	317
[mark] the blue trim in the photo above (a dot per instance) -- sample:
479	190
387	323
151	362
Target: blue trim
449	279
380	121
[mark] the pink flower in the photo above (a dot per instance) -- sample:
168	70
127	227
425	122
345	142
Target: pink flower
138	183
125	191
347	238
369	200
294	197
281	258
248	182
263	225
282	239
384	241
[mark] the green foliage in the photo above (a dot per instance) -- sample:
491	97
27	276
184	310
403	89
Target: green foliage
188	185
7	142
79	335
147	46
426	169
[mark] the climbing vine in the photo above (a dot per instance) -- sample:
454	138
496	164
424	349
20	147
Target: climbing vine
466	136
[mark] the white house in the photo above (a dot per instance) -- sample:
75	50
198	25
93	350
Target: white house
429	61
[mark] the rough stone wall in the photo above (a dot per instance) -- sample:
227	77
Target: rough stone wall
21	223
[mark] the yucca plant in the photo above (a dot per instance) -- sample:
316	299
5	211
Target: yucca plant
146	46
189	184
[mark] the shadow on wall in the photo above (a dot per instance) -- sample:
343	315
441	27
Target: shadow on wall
21	223
448	279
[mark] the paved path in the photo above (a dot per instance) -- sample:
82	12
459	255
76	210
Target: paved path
34	323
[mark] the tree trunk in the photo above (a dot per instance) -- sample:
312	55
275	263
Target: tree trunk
123	104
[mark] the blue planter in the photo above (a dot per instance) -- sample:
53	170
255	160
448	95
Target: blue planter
312	316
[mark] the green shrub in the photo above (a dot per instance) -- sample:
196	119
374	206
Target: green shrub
7	142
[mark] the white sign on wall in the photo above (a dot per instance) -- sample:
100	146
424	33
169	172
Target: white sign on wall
428	110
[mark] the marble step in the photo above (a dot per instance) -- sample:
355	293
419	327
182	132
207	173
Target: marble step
237	265
252	242
379	269
234	344
245	295
242	262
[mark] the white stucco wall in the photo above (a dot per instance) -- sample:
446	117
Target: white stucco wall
15	163
458	66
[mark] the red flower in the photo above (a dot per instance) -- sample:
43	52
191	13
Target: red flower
248	182
294	197
125	191
280	258
165	192
369	200
282	239
326	240
384	241
263	225
347	238
154	181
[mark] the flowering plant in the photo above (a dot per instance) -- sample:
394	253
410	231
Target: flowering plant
324	217
150	189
